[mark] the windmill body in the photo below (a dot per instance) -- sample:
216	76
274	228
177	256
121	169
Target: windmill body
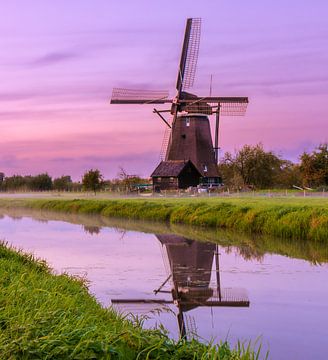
188	134
191	140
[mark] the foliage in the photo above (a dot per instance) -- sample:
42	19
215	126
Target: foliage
288	175
64	183
314	167
129	181
41	182
15	182
92	180
250	166
44	316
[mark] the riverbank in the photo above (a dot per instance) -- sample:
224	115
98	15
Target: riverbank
53	316
291	218
249	246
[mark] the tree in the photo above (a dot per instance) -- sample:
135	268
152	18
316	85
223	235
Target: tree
230	176
289	175
314	167
92	180
64	183
41	182
250	166
2	178
15	182
128	181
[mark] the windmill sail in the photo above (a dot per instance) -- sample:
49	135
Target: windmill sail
137	96
227	106
189	55
188	135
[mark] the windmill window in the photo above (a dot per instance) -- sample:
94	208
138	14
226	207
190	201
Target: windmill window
183	136
187	121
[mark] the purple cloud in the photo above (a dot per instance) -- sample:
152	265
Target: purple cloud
54	58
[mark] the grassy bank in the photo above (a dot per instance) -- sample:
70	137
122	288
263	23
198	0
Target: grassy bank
248	246
305	219
43	316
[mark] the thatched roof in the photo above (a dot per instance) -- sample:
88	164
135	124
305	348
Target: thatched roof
171	168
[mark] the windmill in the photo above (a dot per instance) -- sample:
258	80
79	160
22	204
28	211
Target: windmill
188	134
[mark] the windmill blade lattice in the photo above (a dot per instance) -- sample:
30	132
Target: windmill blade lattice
231	106
188	132
227	106
137	96
192	55
233	109
189	55
165	143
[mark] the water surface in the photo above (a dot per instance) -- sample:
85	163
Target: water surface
287	295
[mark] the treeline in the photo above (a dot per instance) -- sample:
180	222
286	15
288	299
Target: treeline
41	182
92	180
253	167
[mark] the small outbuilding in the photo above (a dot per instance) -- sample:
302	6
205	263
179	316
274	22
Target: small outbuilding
175	174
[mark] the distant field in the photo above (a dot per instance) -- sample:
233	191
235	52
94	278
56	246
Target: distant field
287	217
264	195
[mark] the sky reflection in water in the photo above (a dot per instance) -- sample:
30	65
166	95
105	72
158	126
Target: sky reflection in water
288	297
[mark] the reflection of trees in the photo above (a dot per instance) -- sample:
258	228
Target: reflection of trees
42	221
246	252
93	230
16	217
121	231
249	247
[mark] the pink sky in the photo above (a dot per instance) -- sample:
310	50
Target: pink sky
60	61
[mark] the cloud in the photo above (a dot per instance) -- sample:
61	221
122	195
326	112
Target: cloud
54	58
9	161
62	91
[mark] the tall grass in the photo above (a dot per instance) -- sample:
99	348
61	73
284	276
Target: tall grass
286	218
43	316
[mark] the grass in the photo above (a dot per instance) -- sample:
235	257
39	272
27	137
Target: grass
46	316
288	218
247	245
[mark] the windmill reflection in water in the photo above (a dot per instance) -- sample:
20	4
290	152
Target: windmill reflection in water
190	274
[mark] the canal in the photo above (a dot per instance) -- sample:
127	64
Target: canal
233	287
